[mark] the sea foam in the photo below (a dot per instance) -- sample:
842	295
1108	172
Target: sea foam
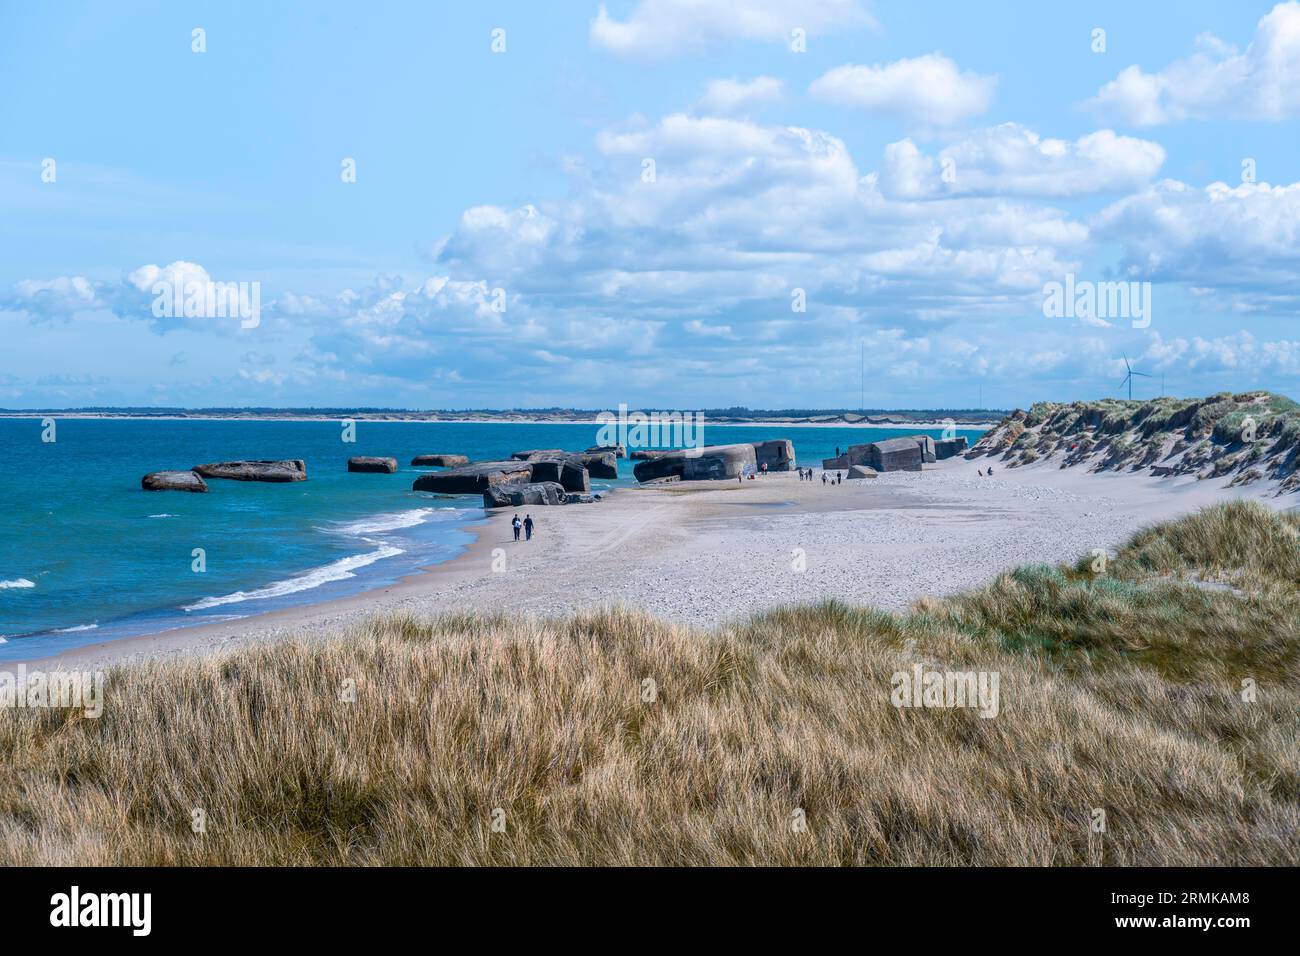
334	571
395	521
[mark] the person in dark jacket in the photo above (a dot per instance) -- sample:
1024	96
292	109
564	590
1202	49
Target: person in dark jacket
528	527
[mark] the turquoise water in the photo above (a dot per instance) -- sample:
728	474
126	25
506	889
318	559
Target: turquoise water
86	555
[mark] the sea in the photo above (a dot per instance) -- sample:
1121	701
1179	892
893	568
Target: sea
87	556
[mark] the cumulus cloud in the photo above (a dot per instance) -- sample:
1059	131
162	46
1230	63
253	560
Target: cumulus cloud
1241	241
53	299
658	29
145	294
683	277
696	327
927	90
692	274
741	211
1239	352
441	322
1010	160
1262	82
732	96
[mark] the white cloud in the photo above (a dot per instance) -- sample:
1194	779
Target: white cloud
928	90
739	214
1263	82
731	96
179	274
1239	352
710	138
64	298
683	285
1010	160
178	295
54	299
658	29
696	327
631	284
1240	241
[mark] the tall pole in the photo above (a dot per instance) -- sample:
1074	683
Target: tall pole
862	378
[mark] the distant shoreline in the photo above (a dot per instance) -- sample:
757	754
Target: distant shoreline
963	423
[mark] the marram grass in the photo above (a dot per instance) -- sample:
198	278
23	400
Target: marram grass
487	740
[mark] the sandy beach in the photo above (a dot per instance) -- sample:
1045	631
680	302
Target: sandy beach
707	552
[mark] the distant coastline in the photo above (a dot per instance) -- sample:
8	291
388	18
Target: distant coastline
872	418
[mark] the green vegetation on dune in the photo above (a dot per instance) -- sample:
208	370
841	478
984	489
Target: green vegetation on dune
1213	596
1241	438
614	738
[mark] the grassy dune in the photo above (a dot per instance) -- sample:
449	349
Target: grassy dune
1241	439
1120	691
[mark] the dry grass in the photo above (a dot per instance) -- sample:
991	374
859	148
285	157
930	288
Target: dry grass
1120	693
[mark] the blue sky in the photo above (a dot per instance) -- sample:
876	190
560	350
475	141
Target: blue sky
920	171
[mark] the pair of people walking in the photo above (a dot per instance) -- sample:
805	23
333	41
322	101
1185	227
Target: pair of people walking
526	526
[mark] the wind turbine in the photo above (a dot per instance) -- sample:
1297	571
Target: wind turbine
1128	379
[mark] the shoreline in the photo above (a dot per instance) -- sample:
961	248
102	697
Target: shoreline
673	550
961	425
174	639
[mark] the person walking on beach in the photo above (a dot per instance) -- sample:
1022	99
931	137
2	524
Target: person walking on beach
516	524
528	527
823	477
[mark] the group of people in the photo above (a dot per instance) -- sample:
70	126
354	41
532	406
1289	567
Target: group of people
983	475
806	474
745	472
526	526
